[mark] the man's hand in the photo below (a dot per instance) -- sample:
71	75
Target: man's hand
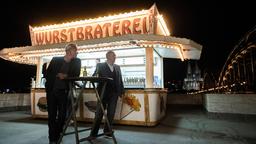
122	95
61	76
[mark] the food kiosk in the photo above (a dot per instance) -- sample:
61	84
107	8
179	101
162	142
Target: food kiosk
140	40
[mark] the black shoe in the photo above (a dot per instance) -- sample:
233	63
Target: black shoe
53	142
90	138
108	135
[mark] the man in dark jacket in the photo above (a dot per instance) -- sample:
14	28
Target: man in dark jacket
57	89
113	89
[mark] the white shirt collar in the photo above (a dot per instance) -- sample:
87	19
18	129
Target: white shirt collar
111	67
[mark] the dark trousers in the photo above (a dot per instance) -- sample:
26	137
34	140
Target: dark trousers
109	102
57	109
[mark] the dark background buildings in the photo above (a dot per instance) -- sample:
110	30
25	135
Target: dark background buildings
215	24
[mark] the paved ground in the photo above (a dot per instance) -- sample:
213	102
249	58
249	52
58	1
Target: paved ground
182	125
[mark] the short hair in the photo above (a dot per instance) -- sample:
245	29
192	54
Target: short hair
109	52
70	46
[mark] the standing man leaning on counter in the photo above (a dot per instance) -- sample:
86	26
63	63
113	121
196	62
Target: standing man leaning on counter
113	89
57	89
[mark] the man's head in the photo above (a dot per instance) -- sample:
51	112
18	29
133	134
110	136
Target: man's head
71	51
111	57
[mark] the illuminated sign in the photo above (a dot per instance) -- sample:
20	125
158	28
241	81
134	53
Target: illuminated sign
139	22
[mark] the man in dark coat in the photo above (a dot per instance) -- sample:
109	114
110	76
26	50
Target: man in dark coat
113	89
57	89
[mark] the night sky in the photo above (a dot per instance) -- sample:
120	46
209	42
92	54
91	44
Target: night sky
215	24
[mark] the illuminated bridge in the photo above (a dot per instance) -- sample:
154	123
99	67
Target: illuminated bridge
238	73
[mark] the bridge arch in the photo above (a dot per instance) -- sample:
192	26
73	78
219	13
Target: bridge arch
238	73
